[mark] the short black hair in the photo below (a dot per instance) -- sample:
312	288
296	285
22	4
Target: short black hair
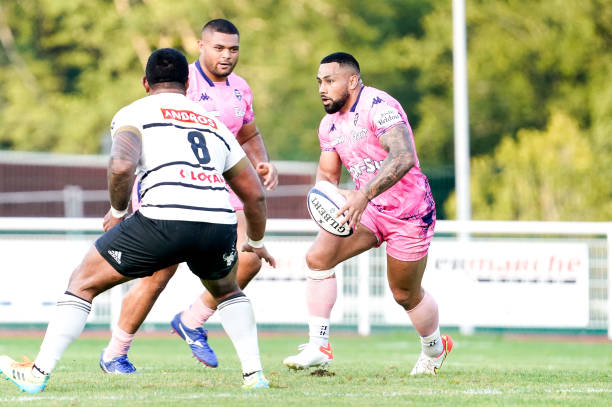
167	65
343	59
221	25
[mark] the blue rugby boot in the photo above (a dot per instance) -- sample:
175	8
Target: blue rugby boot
118	365
197	339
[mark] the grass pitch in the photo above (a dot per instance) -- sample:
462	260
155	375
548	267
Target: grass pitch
482	370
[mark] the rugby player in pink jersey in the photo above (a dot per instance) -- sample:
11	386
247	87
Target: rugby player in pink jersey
368	131
228	97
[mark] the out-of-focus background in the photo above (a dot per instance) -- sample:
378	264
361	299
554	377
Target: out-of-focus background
537	256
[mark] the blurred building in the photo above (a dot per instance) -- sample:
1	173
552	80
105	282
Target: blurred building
57	185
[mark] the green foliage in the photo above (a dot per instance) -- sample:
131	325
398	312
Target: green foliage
66	66
543	175
83	60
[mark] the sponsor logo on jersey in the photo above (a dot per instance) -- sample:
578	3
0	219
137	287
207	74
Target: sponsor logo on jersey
238	94
369	165
358	134
201	176
188	116
333	127
356	119
203	97
337	141
387	117
376	100
238	112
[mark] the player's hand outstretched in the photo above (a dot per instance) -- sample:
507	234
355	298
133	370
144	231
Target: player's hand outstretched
268	174
110	221
261	252
356	203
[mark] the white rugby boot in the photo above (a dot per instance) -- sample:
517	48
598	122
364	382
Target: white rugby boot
20	373
311	355
430	365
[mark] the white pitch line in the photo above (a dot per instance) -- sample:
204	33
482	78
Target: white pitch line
476	391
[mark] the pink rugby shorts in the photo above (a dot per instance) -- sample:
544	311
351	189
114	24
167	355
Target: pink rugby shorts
407	239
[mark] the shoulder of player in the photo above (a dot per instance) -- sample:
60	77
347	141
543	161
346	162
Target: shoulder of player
375	97
325	121
238	81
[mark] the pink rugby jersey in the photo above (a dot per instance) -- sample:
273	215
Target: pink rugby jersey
354	136
230	101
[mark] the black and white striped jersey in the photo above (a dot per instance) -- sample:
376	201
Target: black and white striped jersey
184	155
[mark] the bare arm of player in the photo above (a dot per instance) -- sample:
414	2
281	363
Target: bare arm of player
243	180
253	145
124	157
400	159
330	167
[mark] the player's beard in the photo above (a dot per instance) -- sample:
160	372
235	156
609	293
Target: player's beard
224	73
337	104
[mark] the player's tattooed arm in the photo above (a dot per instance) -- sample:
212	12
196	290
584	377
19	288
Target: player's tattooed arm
399	161
124	157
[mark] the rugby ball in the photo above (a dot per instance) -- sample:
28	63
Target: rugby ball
324	200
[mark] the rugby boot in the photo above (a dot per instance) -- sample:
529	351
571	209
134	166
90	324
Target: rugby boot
118	365
22	376
197	339
431	365
311	355
255	380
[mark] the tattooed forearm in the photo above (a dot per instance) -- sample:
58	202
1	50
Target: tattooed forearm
399	161
124	157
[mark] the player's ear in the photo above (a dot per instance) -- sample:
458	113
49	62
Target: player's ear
145	84
186	85
353	81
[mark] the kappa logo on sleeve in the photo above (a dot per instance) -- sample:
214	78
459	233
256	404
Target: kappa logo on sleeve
187	116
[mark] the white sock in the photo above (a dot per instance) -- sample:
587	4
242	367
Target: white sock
239	322
432	344
318	331
66	324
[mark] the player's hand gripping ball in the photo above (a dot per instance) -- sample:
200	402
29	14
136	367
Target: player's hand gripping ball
324	200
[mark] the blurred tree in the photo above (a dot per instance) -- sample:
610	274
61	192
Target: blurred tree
543	175
66	66
525	60
74	62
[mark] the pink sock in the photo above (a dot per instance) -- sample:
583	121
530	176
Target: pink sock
195	316
424	316
119	344
321	296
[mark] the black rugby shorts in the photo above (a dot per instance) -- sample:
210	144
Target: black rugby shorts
139	246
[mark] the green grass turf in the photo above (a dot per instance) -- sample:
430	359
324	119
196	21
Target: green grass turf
482	370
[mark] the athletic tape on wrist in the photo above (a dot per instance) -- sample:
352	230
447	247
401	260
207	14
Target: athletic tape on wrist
117	213
257	244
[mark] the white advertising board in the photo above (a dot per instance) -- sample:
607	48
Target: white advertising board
501	284
506	284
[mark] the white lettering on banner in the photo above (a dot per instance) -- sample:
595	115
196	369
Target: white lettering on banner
507	284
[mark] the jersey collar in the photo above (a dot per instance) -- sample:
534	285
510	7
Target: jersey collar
206	78
357	101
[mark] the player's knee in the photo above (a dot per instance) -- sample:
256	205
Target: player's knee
315	260
406	298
